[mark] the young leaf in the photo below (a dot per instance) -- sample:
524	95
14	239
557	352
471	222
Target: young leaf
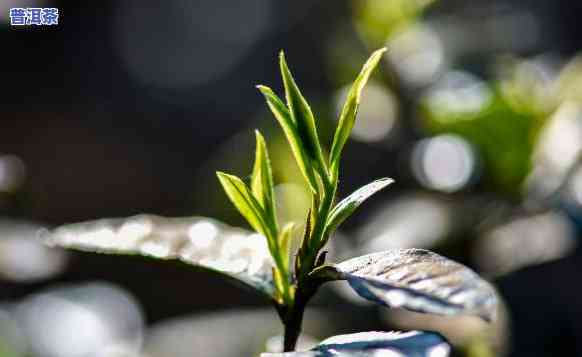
302	116
350	109
241	197
285	241
304	244
195	241
417	280
262	180
348	205
298	148
370	344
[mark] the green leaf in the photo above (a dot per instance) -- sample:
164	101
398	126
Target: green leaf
417	280
262	180
286	122
197	241
285	238
350	109
304	250
373	343
348	205
242	198
302	116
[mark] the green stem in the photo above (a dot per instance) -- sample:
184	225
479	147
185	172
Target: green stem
317	238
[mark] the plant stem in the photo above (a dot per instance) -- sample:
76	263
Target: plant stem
293	316
293	328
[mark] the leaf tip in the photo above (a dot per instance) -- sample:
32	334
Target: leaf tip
381	51
285	71
260	138
222	176
265	91
386	181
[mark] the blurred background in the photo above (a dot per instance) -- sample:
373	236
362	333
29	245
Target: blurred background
131	106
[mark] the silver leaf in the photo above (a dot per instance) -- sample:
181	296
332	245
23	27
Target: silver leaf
197	241
419	280
370	344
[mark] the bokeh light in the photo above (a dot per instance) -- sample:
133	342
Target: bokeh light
396	225
416	54
93	319
458	94
377	114
524	241
557	150
444	163
23	258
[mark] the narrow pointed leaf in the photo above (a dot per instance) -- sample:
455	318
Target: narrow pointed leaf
370	344
241	197
285	241
289	127
348	205
197	241
350	109
304	244
417	280
262	180
302	115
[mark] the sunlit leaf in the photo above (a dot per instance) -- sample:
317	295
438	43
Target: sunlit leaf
302	115
350	109
348	205
285	238
262	180
289	127
417	280
196	241
370	344
242	198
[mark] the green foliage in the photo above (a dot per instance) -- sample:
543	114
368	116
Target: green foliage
350	110
303	118
348	205
299	125
262	180
413	279
504	137
283	116
378	20
379	276
243	199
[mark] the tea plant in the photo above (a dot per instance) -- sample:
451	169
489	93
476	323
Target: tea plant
412	279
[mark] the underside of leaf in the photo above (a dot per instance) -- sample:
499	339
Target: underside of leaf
372	344
197	241
418	280
349	205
